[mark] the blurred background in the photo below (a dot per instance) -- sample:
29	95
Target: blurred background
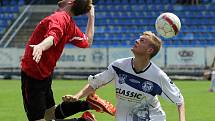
118	23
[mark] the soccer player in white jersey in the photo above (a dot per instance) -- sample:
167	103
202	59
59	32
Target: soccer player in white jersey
212	71
138	81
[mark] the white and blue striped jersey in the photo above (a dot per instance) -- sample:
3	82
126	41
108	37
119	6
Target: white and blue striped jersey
136	92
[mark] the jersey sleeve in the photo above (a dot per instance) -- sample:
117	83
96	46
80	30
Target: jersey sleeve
79	39
56	26
102	78
170	91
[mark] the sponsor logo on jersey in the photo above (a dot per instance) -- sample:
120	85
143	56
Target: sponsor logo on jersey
128	93
134	81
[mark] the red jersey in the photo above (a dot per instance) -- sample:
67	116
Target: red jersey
62	27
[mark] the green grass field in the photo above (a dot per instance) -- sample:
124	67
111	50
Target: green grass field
200	104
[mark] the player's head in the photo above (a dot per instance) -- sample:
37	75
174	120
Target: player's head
148	44
77	7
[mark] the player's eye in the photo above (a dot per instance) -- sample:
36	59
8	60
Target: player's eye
142	40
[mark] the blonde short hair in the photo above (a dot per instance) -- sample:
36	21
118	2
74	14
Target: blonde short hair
156	42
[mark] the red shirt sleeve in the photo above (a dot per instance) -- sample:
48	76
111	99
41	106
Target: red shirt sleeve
80	39
56	26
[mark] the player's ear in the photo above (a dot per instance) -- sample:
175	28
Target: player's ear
150	50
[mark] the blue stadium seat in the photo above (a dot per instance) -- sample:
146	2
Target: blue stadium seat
101	1
15	9
124	1
133	1
173	1
176	43
21	2
13	2
100	29
188	36
109	2
3	23
149	1
101	15
126	7
2	30
211	42
141	2
210	28
185	43
157	1
213	35
6	2
205	1
8	16
116	1
167	43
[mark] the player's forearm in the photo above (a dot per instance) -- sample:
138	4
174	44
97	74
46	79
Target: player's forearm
181	112
90	29
47	43
87	90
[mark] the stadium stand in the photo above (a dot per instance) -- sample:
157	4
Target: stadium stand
8	12
118	22
123	20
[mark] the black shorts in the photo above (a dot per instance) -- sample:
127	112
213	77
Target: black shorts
37	96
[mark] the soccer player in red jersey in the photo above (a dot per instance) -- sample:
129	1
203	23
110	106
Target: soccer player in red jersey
45	47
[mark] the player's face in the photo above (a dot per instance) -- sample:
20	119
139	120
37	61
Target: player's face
142	46
63	3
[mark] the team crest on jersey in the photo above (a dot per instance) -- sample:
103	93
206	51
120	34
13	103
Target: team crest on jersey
147	86
122	78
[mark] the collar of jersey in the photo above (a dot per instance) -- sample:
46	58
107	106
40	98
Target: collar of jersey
147	67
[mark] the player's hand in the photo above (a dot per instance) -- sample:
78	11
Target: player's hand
37	52
69	98
91	12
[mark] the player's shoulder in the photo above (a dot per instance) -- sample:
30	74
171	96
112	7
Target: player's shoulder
60	15
157	69
123	60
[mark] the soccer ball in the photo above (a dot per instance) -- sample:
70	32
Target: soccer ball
168	25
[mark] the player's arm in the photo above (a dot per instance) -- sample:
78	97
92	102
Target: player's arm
90	25
171	92
87	90
43	46
94	82
181	112
82	40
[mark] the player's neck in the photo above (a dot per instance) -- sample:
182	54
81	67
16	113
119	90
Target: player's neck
140	63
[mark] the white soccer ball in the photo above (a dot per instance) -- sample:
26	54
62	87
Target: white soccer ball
168	25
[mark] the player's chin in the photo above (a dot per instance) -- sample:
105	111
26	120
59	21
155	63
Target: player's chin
133	48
